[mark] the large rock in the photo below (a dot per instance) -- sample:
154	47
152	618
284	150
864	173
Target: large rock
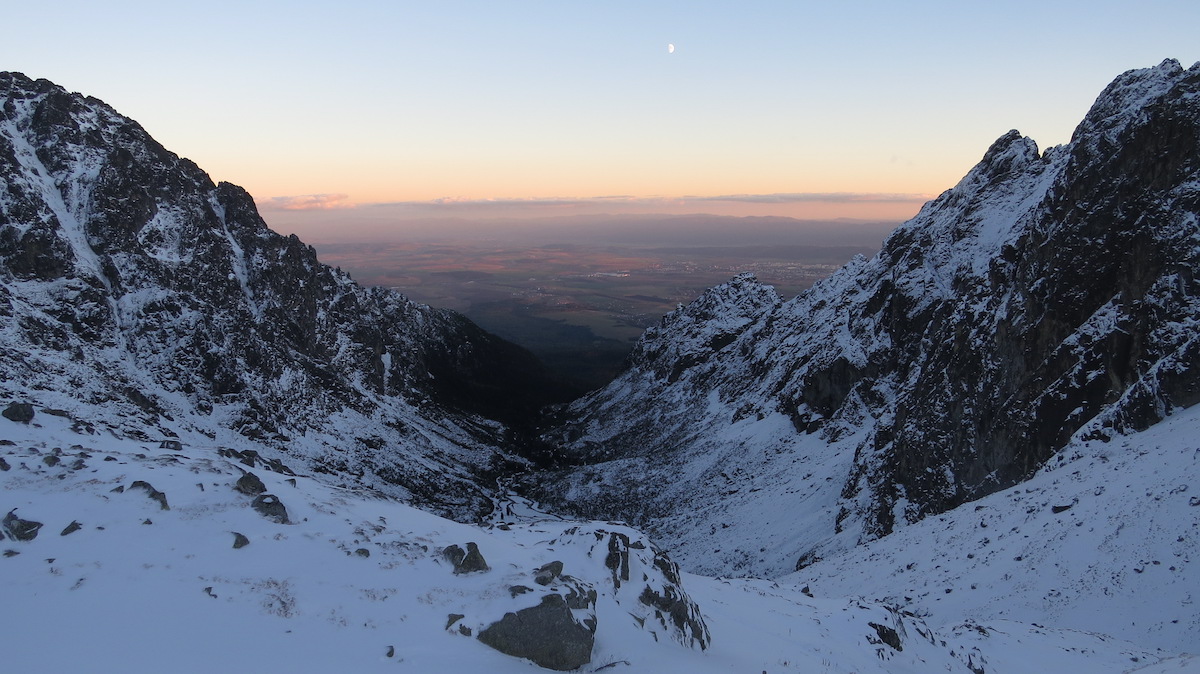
18	412
250	484
270	507
470	561
19	529
547	634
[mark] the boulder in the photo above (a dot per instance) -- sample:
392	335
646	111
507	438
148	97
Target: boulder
466	562
250	485
19	529
546	574
240	540
270	507
19	412
547	634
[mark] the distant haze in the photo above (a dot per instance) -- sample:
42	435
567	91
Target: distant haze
363	226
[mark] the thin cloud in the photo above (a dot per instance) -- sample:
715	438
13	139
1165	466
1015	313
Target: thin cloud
448	204
817	197
307	202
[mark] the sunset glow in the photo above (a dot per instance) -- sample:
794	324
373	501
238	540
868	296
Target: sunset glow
410	103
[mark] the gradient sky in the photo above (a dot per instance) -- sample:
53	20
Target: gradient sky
862	109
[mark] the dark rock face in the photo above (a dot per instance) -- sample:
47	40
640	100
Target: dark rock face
1045	294
547	573
546	634
109	241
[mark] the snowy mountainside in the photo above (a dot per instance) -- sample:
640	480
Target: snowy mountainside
137	295
147	557
1104	538
1043	292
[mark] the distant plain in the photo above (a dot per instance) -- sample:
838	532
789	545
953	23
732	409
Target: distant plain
580	297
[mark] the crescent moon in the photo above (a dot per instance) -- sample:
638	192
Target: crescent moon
670	49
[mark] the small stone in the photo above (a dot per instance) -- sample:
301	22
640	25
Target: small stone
71	528
363	552
11	553
547	573
50	460
453	618
4	465
240	541
473	561
250	485
518	590
152	493
548	634
391	651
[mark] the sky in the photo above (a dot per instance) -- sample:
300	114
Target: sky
396	110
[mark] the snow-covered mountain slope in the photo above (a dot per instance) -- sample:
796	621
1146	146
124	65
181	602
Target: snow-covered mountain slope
136	294
1104	538
150	558
1043	292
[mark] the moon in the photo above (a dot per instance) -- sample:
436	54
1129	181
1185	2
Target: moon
670	49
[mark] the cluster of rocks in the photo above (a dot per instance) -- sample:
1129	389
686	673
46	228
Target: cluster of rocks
553	620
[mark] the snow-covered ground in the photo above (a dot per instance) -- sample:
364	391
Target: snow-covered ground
1102	539
358	583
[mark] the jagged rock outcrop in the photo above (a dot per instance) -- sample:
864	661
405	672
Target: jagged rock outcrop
550	615
1043	292
163	306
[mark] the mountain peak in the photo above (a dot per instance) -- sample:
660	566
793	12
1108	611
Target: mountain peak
1042	297
139	296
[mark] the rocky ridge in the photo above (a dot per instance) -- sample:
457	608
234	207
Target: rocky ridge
1045	293
137	295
